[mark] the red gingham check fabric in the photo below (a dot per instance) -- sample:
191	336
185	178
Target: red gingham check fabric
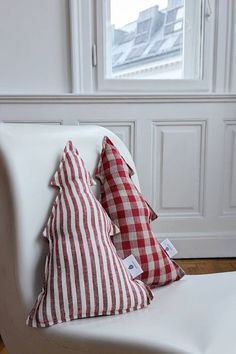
84	277
127	208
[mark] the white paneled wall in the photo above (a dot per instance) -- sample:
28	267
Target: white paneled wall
185	155
178	160
124	130
184	146
229	205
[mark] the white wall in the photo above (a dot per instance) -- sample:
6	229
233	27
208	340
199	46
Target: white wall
34	45
184	146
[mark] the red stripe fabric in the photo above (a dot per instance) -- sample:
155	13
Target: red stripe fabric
84	277
132	214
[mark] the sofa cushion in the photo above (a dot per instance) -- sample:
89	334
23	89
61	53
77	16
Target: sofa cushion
193	316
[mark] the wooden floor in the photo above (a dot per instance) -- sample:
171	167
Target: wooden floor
206	266
4	351
1	346
191	266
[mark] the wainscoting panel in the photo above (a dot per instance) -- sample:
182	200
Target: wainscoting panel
185	154
230	168
124	130
178	167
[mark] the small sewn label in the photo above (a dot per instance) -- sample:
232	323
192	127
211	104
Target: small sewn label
169	248
132	266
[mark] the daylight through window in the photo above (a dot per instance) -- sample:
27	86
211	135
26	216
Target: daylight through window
153	39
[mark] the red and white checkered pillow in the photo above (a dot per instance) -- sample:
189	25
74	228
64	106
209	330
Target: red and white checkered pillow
84	276
127	208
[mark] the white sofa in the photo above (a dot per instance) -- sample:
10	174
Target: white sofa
195	315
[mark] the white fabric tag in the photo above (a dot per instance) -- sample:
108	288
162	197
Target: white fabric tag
169	248
132	266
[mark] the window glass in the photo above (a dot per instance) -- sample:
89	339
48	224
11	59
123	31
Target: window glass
152	39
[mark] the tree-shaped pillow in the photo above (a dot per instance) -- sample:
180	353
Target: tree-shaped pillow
84	276
132	214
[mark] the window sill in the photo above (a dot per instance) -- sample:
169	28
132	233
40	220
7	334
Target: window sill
114	98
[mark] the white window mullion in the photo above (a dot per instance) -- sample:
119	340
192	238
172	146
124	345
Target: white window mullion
81	37
210	24
74	47
193	26
87	35
102	40
223	50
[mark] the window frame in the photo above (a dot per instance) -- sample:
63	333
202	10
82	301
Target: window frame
158	86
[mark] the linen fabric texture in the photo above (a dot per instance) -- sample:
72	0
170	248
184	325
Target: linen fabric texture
132	214
84	277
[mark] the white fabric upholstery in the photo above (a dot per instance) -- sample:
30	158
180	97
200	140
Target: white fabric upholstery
195	315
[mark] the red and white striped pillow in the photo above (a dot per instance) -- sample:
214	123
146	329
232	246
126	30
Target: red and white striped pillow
127	208
84	276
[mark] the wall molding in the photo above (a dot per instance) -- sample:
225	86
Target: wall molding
208	244
229	207
197	207
131	125
50	122
122	98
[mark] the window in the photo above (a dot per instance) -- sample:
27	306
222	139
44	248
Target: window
148	43
151	37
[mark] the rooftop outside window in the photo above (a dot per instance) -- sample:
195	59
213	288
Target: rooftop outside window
153	39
